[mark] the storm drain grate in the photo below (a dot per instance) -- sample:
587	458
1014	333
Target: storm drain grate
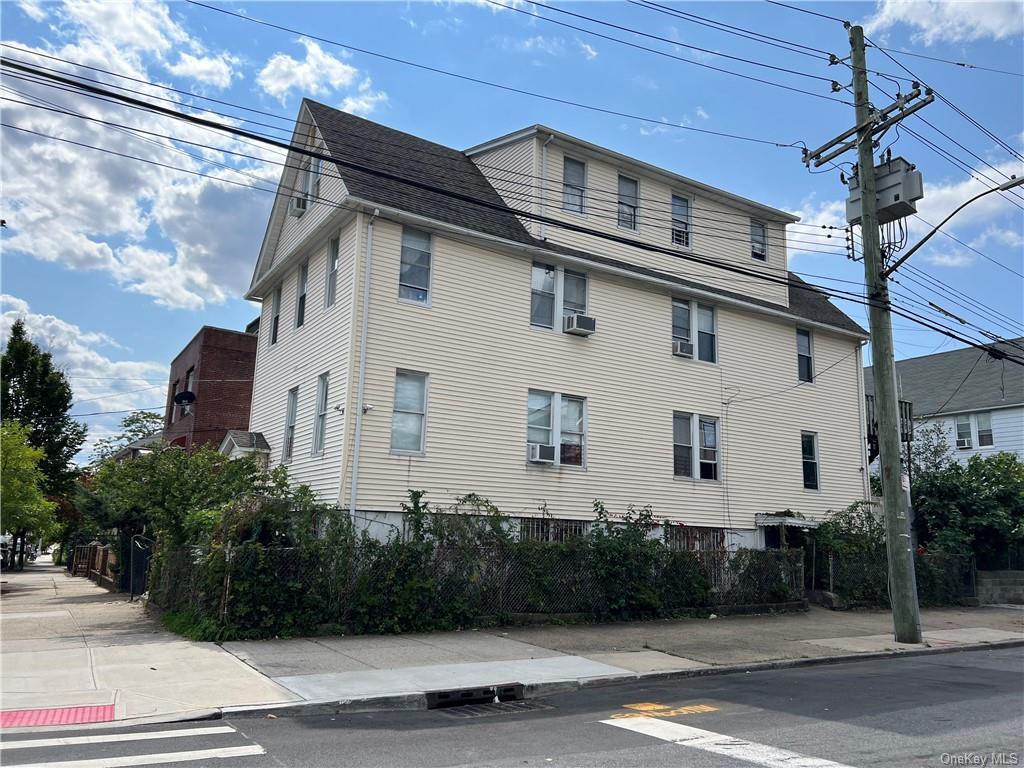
494	708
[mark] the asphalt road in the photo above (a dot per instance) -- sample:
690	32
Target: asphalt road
920	711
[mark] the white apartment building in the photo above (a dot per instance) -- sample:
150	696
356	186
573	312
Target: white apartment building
417	333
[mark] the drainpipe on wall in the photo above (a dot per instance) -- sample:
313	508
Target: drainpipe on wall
862	419
360	386
544	183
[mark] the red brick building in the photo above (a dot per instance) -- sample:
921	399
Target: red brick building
217	367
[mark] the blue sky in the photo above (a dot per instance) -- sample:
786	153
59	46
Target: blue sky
115	264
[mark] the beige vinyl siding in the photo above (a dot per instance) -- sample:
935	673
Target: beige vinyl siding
297	360
512	170
719	231
476	343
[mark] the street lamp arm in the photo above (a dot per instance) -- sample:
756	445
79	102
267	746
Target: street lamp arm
1013	182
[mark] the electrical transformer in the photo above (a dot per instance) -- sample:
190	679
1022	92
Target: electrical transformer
899	187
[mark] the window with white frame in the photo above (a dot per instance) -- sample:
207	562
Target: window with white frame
556	291
985	429
275	314
556	419
574	184
333	259
706	334
320	419
301	289
809	453
683	312
291	414
963	432
409	416
804	355
708	430
682	444
414	273
628	202
758	241
680	221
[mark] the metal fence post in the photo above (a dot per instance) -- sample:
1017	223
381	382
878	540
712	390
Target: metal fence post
227	584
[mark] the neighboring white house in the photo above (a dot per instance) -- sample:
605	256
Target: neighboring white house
415	333
977	399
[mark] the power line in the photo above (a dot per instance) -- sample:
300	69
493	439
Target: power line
962	64
800	383
970	248
491	84
505	209
958	386
807	11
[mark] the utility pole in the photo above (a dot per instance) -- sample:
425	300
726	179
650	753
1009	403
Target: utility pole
869	122
902	581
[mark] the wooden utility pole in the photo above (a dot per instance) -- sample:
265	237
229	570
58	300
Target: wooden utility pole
902	581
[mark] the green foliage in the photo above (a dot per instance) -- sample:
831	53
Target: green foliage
847	532
974	508
38	395
25	508
624	560
134	426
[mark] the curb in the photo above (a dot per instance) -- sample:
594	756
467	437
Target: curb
418	700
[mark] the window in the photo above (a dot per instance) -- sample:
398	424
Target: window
706	333
680	320
963	431
551	529
554	419
682	444
809	451
573	432
627	202
291	413
708	448
574	293
320	421
174	392
805	361
680	221
190	378
301	287
984	429
414	274
553	286
574	174
332	272
275	311
410	412
758	241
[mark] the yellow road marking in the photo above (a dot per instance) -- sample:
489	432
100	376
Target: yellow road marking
647	709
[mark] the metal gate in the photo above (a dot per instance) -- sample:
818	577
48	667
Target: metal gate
138	565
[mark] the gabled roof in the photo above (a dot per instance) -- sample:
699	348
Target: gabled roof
979	381
352	139
246	441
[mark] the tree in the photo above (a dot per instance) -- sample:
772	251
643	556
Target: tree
26	509
134	426
38	395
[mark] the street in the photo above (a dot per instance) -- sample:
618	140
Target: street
921	711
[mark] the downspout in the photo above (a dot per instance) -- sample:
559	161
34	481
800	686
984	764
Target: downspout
862	423
360	386
544	183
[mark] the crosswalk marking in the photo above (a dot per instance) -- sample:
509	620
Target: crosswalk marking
154	759
66	741
720	744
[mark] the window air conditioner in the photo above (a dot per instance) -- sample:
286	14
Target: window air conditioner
682	349
297	206
963	442
579	325
542	454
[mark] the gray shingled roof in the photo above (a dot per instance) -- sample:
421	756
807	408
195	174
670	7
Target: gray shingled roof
355	139
929	381
248	440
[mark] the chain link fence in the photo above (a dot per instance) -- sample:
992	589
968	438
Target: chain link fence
367	586
862	579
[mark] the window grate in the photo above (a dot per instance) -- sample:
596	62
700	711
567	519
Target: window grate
552	529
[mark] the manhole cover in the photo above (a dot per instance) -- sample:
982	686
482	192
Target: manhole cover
496	708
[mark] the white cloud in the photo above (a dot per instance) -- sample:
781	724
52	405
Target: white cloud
33	9
139	26
589	52
365	101
702	114
216	71
318	74
941	20
99	382
948	258
552	46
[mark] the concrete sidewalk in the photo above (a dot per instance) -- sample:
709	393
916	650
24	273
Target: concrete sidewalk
67	642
